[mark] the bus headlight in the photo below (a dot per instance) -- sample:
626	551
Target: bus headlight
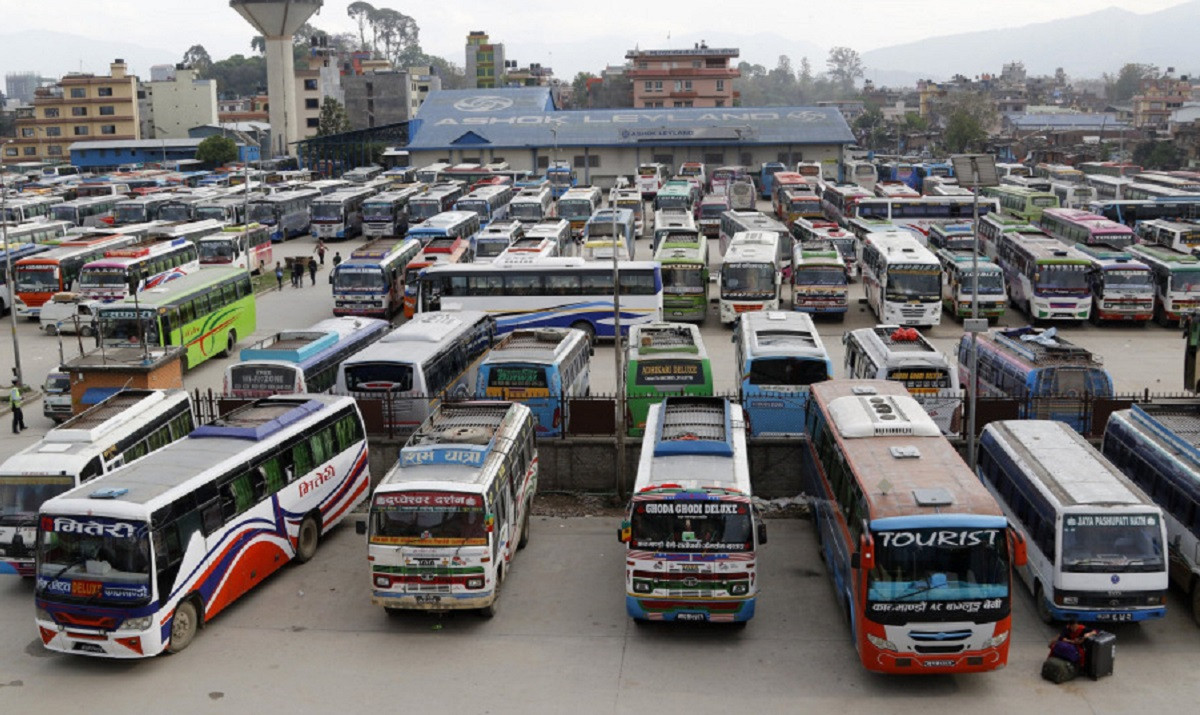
996	640
1066	600
42	614
739	589
642	587
476	582
136	624
881	643
383	581
1156	600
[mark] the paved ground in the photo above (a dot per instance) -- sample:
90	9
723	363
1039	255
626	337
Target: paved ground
309	640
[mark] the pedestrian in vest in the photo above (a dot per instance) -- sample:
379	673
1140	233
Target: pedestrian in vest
312	271
14	401
279	274
321	248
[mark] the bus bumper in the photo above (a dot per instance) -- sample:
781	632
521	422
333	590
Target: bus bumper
1067	615
16	567
98	642
1122	316
433	601
710	610
911	664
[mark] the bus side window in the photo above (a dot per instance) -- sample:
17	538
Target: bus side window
273	473
92	470
302	462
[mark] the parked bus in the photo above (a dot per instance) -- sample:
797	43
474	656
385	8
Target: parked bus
952	236
226	209
677	196
141	209
448	224
386	214
362	174
286	213
122	428
542	369
245	247
42	275
1141	190
961	271
577	206
1096	542
630	200
1155	445
526	249
605	222
552	292
1182	236
182	207
792	203
1058	172
819	284
470	491
271	478
1051	378
27	209
779	355
840	201
1012	169
204	313
88	211
911	538
669	222
863	174
895	190
904	355
431	358
300	361
432	173
44	232
734	222
339	215
1021	203
1073	196
15	252
438	199
918	215
1122	288
490	202
137	267
495	238
845	242
1045	279
557	230
1176	280
683	256
371	281
651	178
663	359
1109	168
1073	226
766	178
902	280
708	217
692	533
533	205
1106	188
1172	180
724	176
750	276
440	251
1032	183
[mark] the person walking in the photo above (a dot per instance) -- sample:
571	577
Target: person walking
297	274
312	271
14	401
320	251
337	259
279	274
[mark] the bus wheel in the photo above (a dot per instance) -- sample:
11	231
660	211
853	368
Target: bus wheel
51	329
230	341
587	328
525	529
307	539
183	625
1043	608
489	611
87	331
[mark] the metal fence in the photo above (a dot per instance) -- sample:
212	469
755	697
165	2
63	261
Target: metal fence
595	415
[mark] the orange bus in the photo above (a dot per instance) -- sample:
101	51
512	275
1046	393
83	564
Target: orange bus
438	252
920	554
39	277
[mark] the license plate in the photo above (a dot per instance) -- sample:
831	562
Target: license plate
429	599
937	663
690	617
1115	617
88	648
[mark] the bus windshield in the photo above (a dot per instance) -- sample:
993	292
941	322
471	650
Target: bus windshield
377	211
103	276
689	526
358	279
212	212
1062	279
575	209
913	282
130	214
216	251
793	371
748	280
379	377
37	279
490	248
175	213
20	496
820	276
262	213
683	279
991	283
1181	281
478	206
1104	543
124	326
916	566
93	560
525	209
326	211
429	519
1129	281
424	209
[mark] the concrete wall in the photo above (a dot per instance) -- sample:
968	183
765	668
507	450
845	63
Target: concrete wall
586	465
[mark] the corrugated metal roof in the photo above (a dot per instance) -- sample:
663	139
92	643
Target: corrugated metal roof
1065	121
137	144
527	117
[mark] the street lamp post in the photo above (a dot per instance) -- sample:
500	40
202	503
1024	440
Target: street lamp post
8	275
617	358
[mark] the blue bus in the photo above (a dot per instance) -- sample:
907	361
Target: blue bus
1052	379
766	178
301	361
490	202
540	368
605	222
779	355
285	214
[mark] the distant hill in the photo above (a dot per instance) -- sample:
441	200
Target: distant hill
53	54
1085	46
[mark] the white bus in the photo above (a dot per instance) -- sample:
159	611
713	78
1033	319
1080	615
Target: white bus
124	427
490	202
734	222
386	214
901	278
448	518
1097	544
339	215
134	564
140	266
750	276
247	247
26	209
550	292
650	178
917	215
1073	195
533	204
90	211
889	352
431	358
671	221
692	533
51	232
557	230
495	238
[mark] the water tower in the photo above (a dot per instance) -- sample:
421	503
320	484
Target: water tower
278	20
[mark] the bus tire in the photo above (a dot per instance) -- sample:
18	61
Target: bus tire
184	625
230	341
51	329
524	541
87	331
1039	602
307	539
587	328
489	611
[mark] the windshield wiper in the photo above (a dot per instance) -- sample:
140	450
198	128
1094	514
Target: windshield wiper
931	583
77	562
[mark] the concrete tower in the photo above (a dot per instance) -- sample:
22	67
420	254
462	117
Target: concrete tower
278	20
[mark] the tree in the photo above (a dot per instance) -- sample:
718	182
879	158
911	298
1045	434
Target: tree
805	83
1158	155
395	30
239	76
258	44
361	13
333	118
216	150
1128	81
197	58
579	89
844	66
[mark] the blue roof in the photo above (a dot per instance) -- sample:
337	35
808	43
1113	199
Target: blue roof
1063	122
527	117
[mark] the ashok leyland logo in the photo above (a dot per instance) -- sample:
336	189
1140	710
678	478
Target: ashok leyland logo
485	103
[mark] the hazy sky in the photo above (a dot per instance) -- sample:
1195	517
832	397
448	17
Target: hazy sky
530	28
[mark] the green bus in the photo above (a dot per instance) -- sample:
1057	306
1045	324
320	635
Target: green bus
683	255
1021	202
663	359
205	312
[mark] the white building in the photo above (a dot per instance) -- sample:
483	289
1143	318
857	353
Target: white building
182	103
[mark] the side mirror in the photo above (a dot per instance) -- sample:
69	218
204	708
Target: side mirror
1019	551
762	533
489	523
866	552
360	527
624	532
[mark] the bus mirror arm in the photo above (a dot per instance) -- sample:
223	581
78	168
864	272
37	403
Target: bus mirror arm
866	553
624	532
762	533
1020	553
360	527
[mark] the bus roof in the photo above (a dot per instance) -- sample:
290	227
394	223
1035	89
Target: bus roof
665	340
1038	346
419	338
693	444
905	467
537	345
778	333
1070	471
454	445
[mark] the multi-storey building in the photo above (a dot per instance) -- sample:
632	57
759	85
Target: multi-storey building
180	103
699	77
485	61
1159	97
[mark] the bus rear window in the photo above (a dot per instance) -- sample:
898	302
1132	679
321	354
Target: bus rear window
516	376
379	377
795	372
